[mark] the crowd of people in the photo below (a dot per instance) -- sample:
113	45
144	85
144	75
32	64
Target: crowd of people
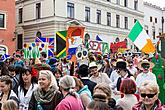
108	82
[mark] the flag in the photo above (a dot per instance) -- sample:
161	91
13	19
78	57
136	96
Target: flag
61	44
140	38
4	57
50	42
74	39
98	38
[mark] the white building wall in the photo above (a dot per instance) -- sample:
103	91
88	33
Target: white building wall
47	8
49	24
154	12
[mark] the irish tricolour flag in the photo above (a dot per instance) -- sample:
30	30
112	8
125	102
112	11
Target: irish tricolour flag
140	38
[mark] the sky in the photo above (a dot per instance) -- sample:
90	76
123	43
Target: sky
160	3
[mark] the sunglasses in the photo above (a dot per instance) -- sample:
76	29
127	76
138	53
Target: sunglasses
148	95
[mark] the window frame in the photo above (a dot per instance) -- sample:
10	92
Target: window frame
126	22
108	19
136	4
117	21
70	10
151	19
4	20
98	13
156	20
87	14
20	17
38	11
125	3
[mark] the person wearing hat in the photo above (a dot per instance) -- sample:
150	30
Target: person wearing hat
83	74
97	76
121	69
71	99
145	66
131	67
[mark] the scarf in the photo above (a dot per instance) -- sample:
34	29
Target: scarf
44	97
152	108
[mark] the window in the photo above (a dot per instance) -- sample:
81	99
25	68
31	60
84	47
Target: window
147	31
153	34
2	20
108	19
126	22
70	10
98	16
118	2
155	20
125	3
150	18
38	10
117	21
136	4
87	14
20	15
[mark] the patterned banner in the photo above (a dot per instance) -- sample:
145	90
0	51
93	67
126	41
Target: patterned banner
33	50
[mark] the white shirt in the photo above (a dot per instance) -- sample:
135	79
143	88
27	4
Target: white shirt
102	78
145	76
127	102
114	76
132	70
24	100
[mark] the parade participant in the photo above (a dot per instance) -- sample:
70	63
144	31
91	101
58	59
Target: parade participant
83	74
106	67
26	62
98	77
121	68
128	89
14	73
65	67
6	89
145	66
71	100
46	96
58	74
83	91
4	69
10	105
132	68
26	88
149	91
104	89
18	61
98	103
43	58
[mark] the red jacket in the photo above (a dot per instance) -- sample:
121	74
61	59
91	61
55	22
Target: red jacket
138	106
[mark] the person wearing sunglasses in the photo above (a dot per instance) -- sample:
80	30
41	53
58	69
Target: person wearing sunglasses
145	66
149	92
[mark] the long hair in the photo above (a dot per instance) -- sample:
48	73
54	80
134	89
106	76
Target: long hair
24	71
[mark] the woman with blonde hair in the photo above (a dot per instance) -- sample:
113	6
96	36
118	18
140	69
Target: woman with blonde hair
46	96
149	92
10	105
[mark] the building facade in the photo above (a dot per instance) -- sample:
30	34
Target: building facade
111	19
7	26
154	20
